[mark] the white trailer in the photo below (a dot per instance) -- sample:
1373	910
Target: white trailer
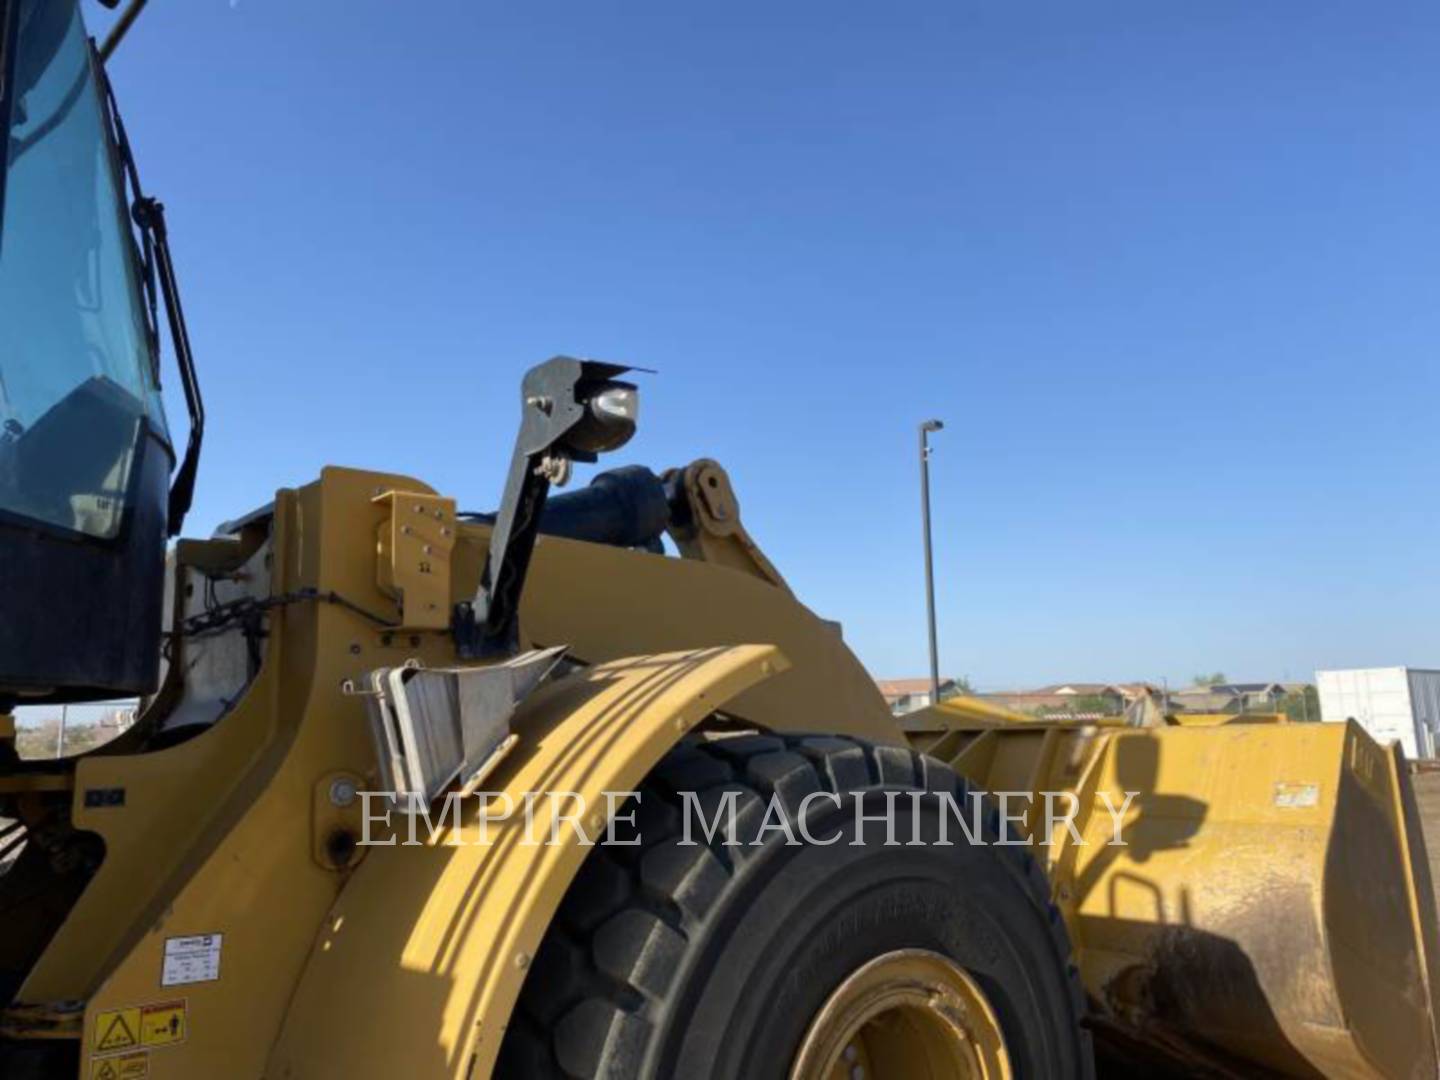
1394	704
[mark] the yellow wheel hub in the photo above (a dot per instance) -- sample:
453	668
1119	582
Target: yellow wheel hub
911	1014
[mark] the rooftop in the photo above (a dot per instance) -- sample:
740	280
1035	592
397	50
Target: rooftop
902	687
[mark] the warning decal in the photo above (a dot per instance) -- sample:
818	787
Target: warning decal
162	1024
134	1066
1295	795
118	1029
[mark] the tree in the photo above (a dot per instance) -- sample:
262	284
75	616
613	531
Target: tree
1213	679
1302	705
963	685
42	740
1093	703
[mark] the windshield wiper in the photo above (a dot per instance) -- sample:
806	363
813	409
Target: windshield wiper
156	264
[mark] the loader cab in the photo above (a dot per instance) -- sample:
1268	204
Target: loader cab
85	452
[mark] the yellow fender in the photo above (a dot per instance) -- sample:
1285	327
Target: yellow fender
422	957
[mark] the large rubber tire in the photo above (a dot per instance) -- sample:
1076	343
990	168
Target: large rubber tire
708	961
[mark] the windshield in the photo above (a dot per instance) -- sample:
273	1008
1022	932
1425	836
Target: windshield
77	359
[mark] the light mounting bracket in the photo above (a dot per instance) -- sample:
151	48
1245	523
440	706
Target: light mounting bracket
571	410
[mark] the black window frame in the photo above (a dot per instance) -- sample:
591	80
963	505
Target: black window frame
9	30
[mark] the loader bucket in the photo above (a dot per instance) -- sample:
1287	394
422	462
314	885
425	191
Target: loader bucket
1268	906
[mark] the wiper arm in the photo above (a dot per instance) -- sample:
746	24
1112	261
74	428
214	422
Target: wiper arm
149	216
122	26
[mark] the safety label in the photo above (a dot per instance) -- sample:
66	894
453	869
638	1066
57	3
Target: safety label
118	1029
132	1066
191	959
160	1024
1297	795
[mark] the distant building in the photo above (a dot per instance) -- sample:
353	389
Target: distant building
1395	704
1259	697
1136	691
907	695
116	720
1063	698
1202	699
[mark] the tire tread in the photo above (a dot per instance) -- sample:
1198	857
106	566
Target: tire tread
600	981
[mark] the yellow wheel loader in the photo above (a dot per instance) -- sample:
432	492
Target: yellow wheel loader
429	793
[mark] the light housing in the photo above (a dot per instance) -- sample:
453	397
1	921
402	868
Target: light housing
612	410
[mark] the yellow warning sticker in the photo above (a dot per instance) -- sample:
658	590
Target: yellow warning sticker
162	1024
132	1066
118	1029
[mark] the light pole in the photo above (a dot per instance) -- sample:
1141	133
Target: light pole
925	429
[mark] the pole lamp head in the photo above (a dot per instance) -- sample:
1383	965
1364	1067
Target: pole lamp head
932	425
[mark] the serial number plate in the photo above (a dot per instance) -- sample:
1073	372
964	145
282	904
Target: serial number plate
193	959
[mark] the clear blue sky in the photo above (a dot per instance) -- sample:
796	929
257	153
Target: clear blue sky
1169	273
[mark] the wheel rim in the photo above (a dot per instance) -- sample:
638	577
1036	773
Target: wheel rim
911	1013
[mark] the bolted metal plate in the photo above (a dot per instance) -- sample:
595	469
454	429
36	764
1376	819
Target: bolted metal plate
413	557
